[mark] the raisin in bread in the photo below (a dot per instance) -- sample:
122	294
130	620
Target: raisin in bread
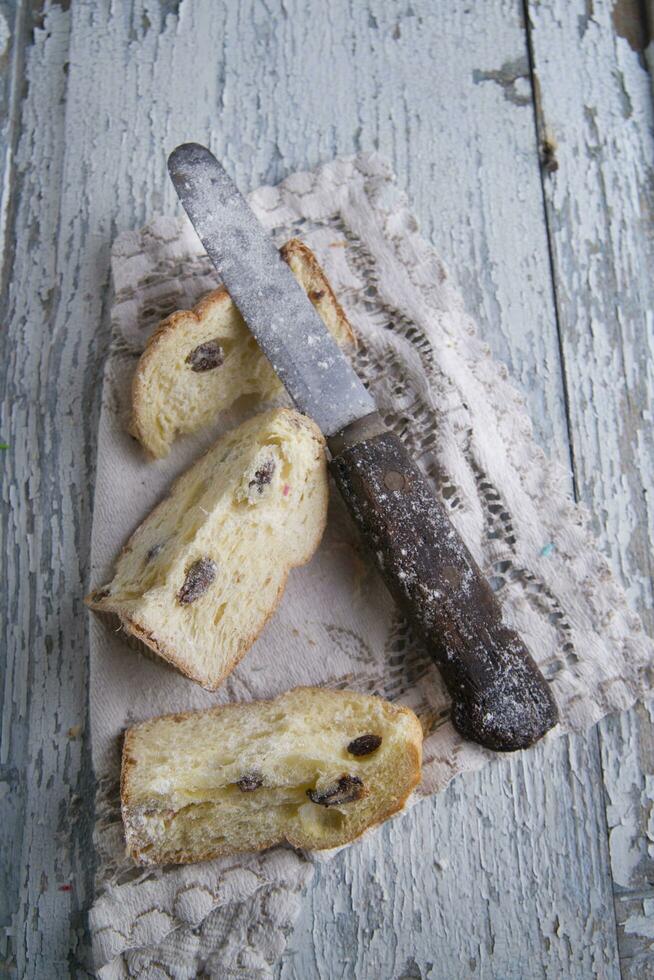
314	767
199	578
199	361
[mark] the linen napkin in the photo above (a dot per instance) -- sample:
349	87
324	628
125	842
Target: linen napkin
455	408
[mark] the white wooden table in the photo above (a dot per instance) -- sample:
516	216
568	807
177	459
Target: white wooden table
543	866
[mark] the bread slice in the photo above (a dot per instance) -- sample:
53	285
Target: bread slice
199	578
314	767
199	361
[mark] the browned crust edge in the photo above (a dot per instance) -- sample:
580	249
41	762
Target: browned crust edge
147	639
292	248
168	325
296	247
414	750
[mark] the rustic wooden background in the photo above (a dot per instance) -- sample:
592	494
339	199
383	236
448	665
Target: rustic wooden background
523	134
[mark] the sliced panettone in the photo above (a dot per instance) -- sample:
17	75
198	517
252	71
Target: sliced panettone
198	579
199	361
314	767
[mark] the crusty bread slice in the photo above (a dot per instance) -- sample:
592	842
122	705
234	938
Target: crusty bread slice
199	578
314	767
199	361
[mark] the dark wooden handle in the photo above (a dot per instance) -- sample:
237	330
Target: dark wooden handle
500	698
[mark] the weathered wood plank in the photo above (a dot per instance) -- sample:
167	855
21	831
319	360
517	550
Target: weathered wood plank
12	797
600	204
12	44
46	473
596	105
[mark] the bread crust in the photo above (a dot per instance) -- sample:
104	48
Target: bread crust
207	306
414	753
147	641
296	248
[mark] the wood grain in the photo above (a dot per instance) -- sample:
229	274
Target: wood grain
600	211
509	873
492	879
50	415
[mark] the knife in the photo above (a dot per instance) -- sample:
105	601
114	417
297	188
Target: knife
499	697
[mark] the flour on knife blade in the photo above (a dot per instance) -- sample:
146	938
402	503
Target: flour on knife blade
316	374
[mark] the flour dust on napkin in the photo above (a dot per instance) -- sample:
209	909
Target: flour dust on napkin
453	406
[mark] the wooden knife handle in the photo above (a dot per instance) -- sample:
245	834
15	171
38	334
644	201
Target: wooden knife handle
499	697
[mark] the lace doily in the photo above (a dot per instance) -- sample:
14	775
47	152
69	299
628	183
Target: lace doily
440	390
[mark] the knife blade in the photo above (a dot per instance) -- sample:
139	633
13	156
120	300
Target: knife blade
304	355
500	699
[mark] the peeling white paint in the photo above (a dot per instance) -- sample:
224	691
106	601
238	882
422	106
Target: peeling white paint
5	35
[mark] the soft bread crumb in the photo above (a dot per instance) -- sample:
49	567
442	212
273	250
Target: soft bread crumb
243	777
199	361
198	579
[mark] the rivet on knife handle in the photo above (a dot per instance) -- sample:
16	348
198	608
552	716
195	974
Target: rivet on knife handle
499	697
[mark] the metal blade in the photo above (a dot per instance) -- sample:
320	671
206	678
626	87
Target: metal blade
303	353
